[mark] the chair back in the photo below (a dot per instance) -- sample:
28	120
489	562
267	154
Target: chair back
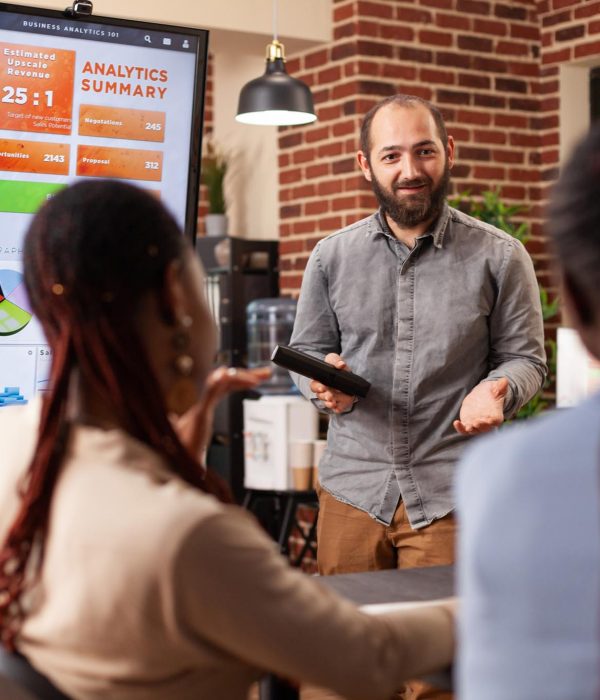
20	681
11	691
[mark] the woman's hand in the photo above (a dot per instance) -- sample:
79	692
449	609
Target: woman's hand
195	426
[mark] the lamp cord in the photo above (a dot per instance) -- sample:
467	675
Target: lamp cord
275	20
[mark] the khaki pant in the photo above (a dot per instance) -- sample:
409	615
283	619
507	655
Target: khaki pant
349	540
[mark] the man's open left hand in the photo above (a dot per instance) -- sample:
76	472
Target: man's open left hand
483	408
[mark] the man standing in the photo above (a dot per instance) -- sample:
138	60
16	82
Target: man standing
441	313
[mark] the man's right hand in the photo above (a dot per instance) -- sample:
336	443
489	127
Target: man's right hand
333	399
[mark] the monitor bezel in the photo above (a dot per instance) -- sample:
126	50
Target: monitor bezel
199	96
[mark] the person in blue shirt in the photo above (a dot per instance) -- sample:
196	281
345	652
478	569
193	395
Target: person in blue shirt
529	504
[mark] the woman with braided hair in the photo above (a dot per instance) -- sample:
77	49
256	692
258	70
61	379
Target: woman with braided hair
124	573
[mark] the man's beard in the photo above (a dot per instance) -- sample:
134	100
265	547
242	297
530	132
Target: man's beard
413	209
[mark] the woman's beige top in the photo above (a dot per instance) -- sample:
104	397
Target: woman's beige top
151	589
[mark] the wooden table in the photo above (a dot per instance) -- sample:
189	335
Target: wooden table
391	586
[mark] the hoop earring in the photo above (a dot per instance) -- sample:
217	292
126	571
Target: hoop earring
183	393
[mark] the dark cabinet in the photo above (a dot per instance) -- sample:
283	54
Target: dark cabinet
237	272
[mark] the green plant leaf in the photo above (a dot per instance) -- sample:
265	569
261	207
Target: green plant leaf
213	169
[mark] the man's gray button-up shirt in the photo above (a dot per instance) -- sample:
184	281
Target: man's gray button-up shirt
424	326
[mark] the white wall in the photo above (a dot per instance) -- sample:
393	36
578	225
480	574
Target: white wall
574	107
239	32
301	23
251	186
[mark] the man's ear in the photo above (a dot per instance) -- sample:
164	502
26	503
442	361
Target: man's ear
578	305
363	163
450	151
172	301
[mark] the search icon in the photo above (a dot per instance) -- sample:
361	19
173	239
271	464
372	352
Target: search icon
148	39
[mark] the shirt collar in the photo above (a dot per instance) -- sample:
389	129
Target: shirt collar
436	230
440	226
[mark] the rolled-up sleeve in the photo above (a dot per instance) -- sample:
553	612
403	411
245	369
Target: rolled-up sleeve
235	591
517	330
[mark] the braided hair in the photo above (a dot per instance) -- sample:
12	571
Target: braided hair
92	253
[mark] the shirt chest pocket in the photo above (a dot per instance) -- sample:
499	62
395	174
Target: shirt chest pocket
452	308
363	300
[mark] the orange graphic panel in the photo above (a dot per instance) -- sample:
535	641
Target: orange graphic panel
36	92
128	163
116	123
34	157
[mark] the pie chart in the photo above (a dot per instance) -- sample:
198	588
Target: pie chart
14	306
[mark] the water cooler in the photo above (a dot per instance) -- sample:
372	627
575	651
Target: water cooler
270	323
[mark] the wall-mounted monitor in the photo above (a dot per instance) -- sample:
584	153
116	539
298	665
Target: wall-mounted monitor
87	97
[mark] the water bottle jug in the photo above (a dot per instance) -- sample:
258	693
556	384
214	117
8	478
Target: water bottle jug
270	323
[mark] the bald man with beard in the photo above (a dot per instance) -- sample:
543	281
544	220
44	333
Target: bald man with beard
441	313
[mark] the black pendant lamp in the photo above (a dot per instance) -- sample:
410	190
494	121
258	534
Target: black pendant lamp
275	99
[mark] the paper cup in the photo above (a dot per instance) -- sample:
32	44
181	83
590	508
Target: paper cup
318	449
302	478
301	463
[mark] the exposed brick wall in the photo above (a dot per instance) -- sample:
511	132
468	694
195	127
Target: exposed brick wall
207	131
492	68
570	32
478	60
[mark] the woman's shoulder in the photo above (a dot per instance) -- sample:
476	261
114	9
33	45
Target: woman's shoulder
18	436
110	476
18	431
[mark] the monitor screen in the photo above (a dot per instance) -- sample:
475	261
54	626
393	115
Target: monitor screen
87	97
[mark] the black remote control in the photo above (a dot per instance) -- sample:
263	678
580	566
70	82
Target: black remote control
309	366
